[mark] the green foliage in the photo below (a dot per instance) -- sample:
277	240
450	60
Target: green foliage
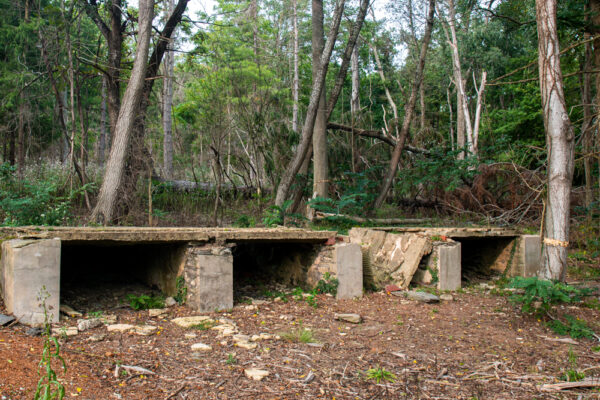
379	375
328	284
275	215
182	290
299	335
231	360
244	221
145	302
23	202
540	295
203	325
573	327
48	386
572	374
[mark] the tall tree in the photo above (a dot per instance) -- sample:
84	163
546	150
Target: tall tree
408	111
167	105
104	211
559	142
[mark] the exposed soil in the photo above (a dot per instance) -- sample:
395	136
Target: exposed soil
477	346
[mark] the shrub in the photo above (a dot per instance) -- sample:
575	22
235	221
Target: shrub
540	295
145	302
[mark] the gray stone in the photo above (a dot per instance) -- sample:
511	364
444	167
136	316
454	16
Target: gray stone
85	324
348	259
531	250
34	331
352	318
28	268
156	312
201	347
69	311
188	322
97	337
422	296
446	297
119	327
170	302
65	331
6	319
256	374
209	278
449	267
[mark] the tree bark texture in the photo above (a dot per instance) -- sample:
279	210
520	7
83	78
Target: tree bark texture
102	140
560	144
107	199
311	112
408	111
168	67
320	163
296	78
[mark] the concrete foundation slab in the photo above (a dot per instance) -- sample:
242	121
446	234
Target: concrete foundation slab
528	257
208	275
349	270
31	269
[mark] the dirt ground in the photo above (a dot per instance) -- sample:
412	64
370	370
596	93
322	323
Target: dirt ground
476	346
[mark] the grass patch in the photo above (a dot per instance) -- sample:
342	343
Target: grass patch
299	335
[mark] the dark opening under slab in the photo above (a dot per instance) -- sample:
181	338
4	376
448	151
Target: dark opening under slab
485	258
100	275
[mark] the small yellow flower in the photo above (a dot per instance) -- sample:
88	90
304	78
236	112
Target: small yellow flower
79	390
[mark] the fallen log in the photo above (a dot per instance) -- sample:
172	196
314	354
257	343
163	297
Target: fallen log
376	135
550	387
382	221
189	186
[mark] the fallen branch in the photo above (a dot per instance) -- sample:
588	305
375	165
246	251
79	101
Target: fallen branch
383	221
376	135
570	385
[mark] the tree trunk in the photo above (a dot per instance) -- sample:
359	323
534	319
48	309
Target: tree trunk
168	67
595	14
311	112
320	164
560	144
587	129
296	79
104	211
354	104
102	139
408	111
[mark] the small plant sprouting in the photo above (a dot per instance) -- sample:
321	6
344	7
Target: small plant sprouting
203	325
299	335
541	294
48	386
145	302
572	374
328	284
231	360
181	290
380	374
96	314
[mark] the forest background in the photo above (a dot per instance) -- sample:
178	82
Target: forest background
430	112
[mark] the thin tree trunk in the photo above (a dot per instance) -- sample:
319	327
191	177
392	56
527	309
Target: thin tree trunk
102	139
388	95
409	110
311	112
451	130
354	103
21	136
296	79
560	144
478	108
104	211
587	129
168	66
595	16
320	163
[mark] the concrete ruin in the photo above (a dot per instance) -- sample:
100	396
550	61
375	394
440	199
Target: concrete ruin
33	260
212	260
443	256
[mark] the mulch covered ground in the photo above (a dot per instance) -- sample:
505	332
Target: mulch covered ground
477	346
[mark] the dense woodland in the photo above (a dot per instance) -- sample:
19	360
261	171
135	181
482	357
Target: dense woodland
290	112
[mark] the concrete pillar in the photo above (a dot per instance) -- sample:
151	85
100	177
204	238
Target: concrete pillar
30	269
348	260
208	276
449	267
530	252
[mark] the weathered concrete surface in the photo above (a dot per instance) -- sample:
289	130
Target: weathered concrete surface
209	278
143	234
451	232
28	268
449	266
348	259
391	257
528	256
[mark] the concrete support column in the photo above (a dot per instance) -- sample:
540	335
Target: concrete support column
528	257
449	267
30	269
208	276
349	270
